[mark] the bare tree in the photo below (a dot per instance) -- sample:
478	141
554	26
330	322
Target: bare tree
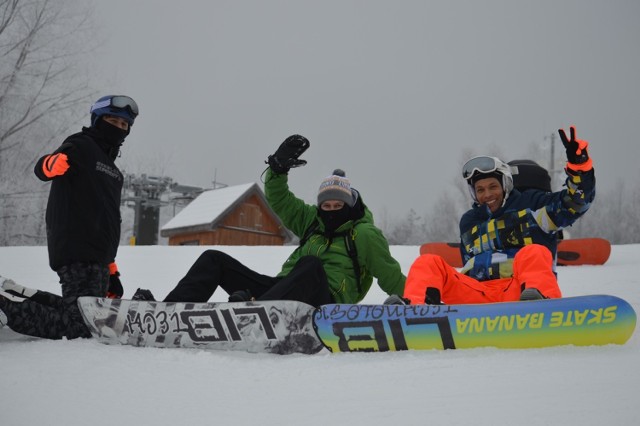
613	216
442	223
43	93
408	231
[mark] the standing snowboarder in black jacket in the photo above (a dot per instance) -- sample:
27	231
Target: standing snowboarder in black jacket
83	225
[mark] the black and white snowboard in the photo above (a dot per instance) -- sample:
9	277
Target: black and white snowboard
280	327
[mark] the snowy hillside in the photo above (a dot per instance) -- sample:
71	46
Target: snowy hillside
82	382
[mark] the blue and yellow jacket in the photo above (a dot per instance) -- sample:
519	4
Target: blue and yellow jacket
490	242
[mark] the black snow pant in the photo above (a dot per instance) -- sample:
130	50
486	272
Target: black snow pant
307	281
53	317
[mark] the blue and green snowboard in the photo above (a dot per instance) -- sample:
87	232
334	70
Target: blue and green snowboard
285	327
581	321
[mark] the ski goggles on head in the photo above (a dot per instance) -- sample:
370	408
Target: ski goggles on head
121	102
481	165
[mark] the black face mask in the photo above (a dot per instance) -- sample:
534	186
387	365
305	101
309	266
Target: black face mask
112	136
333	219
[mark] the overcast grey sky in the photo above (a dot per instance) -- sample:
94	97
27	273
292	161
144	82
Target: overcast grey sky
394	92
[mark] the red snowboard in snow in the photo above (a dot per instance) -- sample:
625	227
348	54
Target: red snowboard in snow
583	251
450	252
579	251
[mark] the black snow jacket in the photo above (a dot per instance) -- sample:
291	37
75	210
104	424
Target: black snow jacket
83	212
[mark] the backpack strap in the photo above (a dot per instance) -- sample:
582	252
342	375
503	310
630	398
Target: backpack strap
309	232
350	243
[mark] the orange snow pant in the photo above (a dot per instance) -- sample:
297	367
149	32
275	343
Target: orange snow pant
532	268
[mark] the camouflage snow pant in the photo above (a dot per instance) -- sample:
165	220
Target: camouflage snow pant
53	317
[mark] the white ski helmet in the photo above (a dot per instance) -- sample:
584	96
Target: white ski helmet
483	167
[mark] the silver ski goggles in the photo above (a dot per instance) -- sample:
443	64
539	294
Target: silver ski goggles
121	102
479	165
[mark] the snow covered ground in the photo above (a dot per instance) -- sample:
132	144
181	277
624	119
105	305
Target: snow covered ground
82	382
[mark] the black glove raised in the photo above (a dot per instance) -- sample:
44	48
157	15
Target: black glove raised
286	157
577	155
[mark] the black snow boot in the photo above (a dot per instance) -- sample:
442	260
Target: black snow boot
241	296
531	294
142	294
432	296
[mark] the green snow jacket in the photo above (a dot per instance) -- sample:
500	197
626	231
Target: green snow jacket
372	247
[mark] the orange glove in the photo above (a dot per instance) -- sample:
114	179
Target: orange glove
55	165
577	156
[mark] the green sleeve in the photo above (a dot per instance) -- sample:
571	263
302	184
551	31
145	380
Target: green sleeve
374	253
292	211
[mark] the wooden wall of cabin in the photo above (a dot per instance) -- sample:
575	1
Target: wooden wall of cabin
249	224
252	214
226	237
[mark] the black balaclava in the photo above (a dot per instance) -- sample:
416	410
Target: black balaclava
333	219
112	137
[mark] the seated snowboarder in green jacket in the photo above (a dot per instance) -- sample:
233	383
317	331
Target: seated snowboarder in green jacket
340	250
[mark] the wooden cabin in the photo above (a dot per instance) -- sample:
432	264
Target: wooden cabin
234	216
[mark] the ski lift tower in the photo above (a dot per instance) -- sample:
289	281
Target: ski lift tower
147	191
555	171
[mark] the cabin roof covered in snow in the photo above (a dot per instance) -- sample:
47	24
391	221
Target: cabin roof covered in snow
211	206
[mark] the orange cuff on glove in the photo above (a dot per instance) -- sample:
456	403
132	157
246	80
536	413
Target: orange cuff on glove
584	167
55	165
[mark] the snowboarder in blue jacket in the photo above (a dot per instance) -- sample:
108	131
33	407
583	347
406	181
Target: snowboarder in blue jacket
508	238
